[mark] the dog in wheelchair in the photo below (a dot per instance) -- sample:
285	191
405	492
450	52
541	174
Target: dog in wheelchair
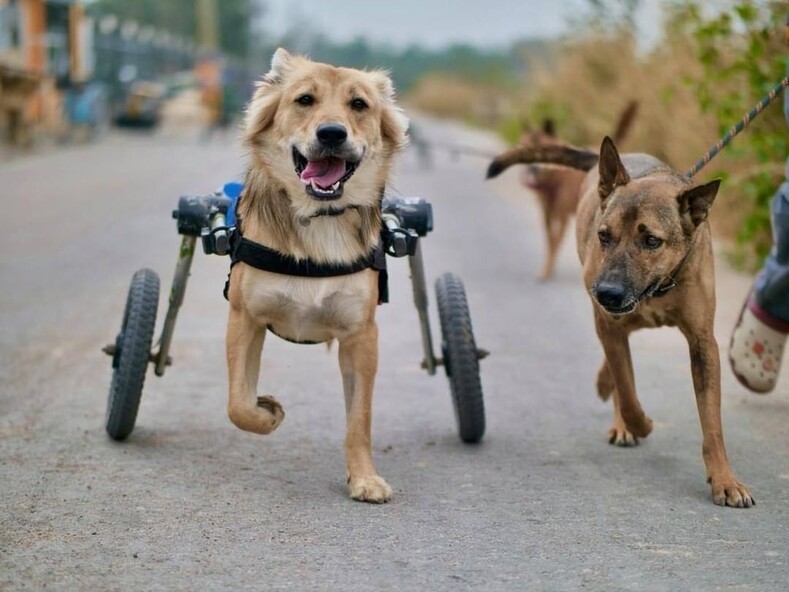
322	141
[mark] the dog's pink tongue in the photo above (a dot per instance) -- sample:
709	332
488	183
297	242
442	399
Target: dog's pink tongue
324	172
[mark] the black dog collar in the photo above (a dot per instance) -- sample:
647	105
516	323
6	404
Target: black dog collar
664	287
331	212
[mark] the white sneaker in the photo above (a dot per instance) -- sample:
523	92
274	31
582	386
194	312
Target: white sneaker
757	347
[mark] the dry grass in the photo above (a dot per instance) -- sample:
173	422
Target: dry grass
592	81
453	97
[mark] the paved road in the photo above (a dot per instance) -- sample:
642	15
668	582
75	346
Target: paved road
192	503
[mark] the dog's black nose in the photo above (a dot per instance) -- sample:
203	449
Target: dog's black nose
331	135
610	295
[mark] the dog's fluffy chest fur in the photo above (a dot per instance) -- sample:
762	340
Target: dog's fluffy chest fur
309	309
334	239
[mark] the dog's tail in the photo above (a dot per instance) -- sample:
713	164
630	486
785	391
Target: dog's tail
569	156
625	122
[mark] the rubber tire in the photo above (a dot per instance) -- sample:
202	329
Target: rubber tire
133	348
461	361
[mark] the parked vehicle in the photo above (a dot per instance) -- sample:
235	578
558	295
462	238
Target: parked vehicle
142	104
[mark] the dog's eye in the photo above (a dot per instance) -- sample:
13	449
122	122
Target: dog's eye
306	99
652	242
605	238
358	104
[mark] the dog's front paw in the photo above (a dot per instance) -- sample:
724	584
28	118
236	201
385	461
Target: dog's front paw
619	436
370	489
263	418
730	492
274	411
273	406
641	427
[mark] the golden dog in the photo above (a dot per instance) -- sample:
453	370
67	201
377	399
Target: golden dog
322	140
646	249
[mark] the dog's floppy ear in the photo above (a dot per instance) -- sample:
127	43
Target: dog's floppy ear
698	201
612	171
263	106
394	123
549	127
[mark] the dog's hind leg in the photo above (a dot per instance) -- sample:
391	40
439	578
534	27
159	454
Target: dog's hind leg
559	229
261	415
620	363
705	366
358	364
545	273
552	238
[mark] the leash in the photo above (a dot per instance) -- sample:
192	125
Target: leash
743	123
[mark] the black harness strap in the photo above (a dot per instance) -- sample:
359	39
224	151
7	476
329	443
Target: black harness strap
257	255
262	257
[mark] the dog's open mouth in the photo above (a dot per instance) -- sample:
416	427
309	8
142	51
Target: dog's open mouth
323	178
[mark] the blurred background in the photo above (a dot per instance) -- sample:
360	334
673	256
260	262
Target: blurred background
72	71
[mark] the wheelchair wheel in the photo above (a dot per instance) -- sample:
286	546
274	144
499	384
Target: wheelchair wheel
461	359
131	354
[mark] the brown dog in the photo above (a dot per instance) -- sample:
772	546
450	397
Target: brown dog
338	129
558	189
645	245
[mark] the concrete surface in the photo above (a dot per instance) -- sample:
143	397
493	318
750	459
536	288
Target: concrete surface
191	503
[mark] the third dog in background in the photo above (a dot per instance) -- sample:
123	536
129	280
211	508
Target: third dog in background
558	189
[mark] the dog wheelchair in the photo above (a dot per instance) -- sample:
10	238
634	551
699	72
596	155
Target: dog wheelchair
211	219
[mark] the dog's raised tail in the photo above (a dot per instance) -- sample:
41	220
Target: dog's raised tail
569	156
625	122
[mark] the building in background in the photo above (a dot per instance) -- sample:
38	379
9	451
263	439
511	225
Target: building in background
45	45
55	53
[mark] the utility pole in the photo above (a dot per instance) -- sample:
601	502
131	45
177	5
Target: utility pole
208	68
207	25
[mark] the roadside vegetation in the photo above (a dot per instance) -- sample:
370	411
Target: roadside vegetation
706	70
